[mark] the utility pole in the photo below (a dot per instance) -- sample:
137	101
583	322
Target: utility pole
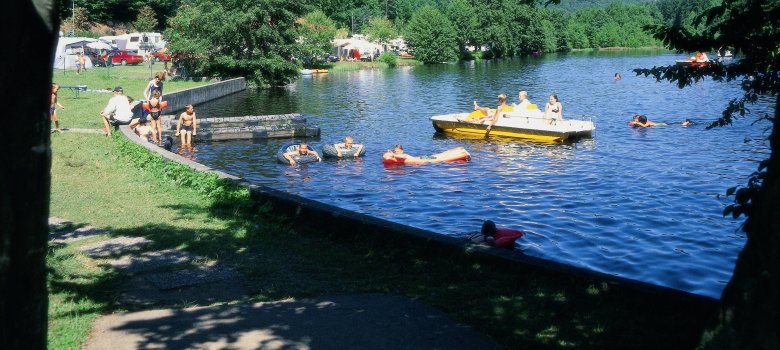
73	19
352	23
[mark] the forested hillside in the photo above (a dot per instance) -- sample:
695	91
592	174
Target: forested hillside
497	28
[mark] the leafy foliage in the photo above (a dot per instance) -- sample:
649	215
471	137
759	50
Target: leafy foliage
146	20
254	39
81	21
316	32
388	58
431	35
208	184
463	17
380	29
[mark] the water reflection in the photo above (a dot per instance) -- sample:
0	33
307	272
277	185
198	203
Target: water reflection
639	203
188	152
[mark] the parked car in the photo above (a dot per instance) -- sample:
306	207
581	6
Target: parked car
162	56
333	58
124	58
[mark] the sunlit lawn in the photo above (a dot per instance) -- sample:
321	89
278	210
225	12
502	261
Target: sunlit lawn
82	110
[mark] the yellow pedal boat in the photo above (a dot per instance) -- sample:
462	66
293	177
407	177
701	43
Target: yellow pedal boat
523	125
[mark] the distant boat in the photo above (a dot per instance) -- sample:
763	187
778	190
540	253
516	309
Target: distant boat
306	71
693	63
319	71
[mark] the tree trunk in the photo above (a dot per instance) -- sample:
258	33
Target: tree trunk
25	85
750	314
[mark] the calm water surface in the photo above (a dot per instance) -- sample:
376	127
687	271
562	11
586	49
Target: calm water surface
636	203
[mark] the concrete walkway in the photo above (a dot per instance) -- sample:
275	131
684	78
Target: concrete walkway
155	279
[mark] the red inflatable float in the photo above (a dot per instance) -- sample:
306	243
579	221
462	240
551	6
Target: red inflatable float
163	105
453	155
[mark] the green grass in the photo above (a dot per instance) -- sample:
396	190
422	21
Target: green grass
343	66
83	110
114	184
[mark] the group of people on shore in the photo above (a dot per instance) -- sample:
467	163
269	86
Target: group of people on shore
553	110
119	111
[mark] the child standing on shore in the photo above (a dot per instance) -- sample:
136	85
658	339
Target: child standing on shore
55	88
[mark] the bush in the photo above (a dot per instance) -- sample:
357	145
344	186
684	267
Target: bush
388	58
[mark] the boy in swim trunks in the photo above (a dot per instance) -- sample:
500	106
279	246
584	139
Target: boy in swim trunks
55	88
187	126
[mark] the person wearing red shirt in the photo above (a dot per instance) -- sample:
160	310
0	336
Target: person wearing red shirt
499	236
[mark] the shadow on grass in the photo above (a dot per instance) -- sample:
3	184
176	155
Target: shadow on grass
518	306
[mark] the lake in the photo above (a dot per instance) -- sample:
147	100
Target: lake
638	203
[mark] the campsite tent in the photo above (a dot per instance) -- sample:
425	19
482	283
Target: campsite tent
348	47
67	53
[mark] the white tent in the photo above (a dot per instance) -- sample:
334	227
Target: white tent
99	45
344	46
68	49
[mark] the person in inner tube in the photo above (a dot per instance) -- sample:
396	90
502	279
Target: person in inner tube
347	145
303	149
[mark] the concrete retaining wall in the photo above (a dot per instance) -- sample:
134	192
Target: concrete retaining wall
309	215
177	100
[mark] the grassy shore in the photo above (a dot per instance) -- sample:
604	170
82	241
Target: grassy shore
344	66
113	184
82	110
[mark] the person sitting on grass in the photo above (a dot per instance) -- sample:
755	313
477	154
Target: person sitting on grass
144	131
117	111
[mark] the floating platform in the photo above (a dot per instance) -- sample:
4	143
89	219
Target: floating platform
247	127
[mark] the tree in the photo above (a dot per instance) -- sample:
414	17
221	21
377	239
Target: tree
461	15
431	35
229	38
25	174
380	29
146	20
750	304
316	36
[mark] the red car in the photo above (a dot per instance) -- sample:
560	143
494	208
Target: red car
162	56
124	58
